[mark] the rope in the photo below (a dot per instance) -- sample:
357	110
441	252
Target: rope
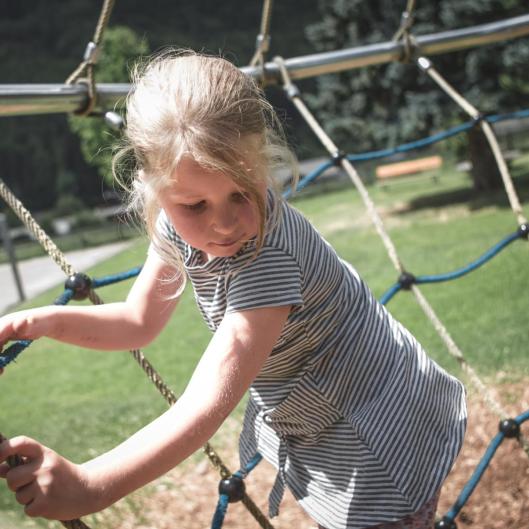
14	350
403	33
15	461
480	469
293	92
487	256
335	153
406	147
87	66
426	65
236	490
169	396
262	44
31	224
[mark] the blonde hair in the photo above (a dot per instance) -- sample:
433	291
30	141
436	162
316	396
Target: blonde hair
187	104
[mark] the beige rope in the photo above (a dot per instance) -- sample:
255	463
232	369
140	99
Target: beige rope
263	39
31	224
404	34
87	66
426	65
390	247
457	354
15	461
140	358
210	452
347	166
406	21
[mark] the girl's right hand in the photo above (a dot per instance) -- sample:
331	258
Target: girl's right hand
24	325
47	484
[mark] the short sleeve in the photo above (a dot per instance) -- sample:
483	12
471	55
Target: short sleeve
271	279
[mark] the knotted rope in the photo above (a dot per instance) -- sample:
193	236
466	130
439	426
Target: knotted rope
90	57
340	158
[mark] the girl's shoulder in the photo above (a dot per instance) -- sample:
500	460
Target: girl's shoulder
289	229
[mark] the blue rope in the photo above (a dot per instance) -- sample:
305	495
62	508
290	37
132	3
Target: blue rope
304	182
222	504
480	469
405	147
12	352
487	256
220	512
390	293
115	278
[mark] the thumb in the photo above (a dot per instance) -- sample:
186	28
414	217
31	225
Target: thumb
20	446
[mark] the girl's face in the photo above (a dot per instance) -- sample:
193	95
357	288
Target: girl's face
208	210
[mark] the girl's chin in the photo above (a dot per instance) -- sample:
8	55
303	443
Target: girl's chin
223	250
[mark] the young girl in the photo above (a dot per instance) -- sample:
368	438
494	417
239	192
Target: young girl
361	425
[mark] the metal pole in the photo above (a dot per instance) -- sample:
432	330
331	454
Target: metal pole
10	251
52	98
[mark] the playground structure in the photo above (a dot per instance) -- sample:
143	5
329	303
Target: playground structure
89	97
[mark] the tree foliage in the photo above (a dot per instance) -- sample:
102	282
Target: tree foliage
43	42
382	106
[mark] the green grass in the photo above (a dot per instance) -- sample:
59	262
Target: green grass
83	402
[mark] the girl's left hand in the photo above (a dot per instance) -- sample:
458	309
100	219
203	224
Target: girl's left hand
47	484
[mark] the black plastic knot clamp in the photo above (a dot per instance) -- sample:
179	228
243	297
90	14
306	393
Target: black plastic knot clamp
406	280
337	158
445	523
523	230
509	427
292	91
80	284
233	487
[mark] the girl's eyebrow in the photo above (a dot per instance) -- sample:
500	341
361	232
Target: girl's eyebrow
173	193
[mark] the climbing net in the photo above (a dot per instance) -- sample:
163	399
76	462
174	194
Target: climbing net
79	286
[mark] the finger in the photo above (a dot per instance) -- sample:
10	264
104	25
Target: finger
22	446
4	469
25	495
21	476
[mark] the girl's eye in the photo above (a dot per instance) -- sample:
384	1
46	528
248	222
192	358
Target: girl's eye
241	197
198	206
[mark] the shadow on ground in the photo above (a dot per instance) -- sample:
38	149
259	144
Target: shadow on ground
466	195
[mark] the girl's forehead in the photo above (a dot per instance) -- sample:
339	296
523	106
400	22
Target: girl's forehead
191	178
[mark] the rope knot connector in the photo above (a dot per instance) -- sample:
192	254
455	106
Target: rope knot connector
406	280
80	284
292	91
91	53
478	118
446	523
114	120
424	63
337	158
523	231
232	487
509	427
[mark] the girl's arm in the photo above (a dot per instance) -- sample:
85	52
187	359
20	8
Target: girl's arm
126	325
55	488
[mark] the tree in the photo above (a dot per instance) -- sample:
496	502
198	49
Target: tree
121	47
382	106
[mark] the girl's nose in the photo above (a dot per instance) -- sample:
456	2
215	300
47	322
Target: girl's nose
224	220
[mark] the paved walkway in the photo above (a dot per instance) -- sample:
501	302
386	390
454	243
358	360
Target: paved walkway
41	273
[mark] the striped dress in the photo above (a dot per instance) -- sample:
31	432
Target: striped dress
361	425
